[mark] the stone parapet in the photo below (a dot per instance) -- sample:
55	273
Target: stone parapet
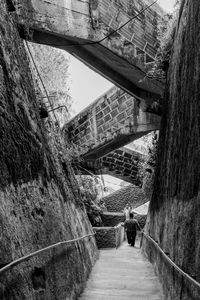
109	237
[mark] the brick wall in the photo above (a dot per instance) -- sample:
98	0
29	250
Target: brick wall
113	120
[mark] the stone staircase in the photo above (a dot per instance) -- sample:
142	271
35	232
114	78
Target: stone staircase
122	274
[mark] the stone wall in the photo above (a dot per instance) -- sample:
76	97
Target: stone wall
113	120
174	219
109	237
40	203
105	237
112	218
116	201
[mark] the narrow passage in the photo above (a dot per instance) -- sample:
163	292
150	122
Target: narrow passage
122	274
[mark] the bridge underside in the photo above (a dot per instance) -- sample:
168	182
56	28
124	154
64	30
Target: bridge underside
84	29
105	62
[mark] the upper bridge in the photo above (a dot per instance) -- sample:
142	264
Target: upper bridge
94	32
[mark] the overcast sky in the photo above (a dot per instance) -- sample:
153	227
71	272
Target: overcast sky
86	85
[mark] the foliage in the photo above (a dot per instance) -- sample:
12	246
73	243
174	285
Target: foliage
53	65
166	31
147	167
91	192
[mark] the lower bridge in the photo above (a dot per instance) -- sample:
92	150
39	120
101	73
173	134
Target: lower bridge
122	163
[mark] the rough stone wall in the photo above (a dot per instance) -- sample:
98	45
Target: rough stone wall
174	220
105	237
109	237
116	201
115	117
40	202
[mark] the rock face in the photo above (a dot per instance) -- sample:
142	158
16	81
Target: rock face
175	206
116	201
40	203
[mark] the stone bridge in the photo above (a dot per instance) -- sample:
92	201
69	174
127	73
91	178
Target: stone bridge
122	163
94	32
112	121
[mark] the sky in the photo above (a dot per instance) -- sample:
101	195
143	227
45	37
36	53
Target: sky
86	85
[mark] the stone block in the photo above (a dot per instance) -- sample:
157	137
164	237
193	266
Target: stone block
107	118
106	110
100	122
99	115
129	111
112	218
121	100
105	237
109	237
97	109
122	107
103	104
114	112
129	102
120	117
114	104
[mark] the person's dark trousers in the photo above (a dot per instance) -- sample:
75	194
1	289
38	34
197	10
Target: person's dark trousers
131	235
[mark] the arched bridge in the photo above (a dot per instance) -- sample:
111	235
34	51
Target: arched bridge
94	32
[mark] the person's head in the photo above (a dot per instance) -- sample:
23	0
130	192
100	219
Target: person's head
131	215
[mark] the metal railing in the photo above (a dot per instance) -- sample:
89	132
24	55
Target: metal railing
25	258
166	257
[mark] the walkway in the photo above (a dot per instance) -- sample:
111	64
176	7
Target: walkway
122	274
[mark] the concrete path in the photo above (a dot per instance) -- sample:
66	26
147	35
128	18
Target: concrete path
122	274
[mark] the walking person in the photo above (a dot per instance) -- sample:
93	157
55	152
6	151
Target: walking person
131	226
126	211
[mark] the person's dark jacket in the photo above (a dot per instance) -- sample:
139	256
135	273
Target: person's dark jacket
131	225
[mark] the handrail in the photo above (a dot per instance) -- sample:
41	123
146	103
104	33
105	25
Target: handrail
24	258
172	263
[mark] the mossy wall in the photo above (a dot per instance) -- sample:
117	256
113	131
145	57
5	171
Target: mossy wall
40	203
174	219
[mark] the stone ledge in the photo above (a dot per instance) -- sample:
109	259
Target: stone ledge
109	237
